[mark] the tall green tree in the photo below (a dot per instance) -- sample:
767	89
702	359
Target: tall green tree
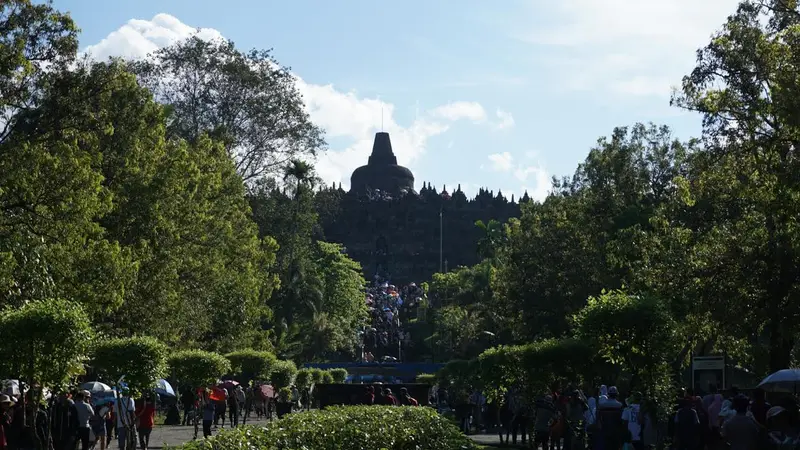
742	230
579	240
244	99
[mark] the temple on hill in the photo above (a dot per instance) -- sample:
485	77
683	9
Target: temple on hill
401	234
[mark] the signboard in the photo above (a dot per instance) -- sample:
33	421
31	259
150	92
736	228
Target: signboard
708	371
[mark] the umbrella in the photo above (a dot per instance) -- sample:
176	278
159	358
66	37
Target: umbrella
164	388
11	388
267	391
786	380
229	384
96	387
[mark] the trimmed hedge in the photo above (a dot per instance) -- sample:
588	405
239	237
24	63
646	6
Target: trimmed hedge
345	428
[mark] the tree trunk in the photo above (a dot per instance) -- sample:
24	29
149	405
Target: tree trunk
780	348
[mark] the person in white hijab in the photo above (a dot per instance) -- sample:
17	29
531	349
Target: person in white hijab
603	393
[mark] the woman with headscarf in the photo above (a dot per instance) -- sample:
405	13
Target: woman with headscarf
714	408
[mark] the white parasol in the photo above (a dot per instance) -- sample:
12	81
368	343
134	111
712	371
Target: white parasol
786	380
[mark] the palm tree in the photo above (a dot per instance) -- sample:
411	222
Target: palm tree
493	236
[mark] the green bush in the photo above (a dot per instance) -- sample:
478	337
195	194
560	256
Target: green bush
426	378
198	368
46	339
339	375
327	377
345	428
251	364
317	375
283	374
303	379
142	360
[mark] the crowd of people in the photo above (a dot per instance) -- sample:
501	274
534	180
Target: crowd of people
74	419
610	421
389	309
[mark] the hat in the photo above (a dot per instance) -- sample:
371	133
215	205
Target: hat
6	399
774	411
613	390
87	394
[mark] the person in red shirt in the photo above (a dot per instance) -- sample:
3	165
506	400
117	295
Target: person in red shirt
147	417
406	399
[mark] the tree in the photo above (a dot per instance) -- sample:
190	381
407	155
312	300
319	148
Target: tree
340	311
634	332
579	240
141	360
492	238
742	199
251	364
44	342
34	37
247	100
198	368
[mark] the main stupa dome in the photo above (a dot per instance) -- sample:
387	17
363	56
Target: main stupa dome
382	172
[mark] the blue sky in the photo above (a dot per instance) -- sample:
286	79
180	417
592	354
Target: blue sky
496	94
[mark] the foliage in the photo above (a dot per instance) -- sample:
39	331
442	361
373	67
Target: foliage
741	209
344	428
426	378
244	99
579	240
635	332
327	377
317	375
251	364
198	368
142	360
338	375
44	341
304	378
283	374
35	37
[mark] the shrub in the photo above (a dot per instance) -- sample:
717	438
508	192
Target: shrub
283	374
142	360
303	379
426	378
345	428
251	364
44	340
198	368
317	375
327	377
339	375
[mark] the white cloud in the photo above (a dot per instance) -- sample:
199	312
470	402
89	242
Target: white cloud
533	177
504	120
460	110
629	47
502	162
343	115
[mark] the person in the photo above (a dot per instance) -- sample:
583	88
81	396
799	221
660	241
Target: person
5	419
782	430
98	424
125	411
687	426
64	419
85	413
631	416
545	415
713	405
369	396
233	409
187	400
609	420
147	417
741	431
209	414
406	399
